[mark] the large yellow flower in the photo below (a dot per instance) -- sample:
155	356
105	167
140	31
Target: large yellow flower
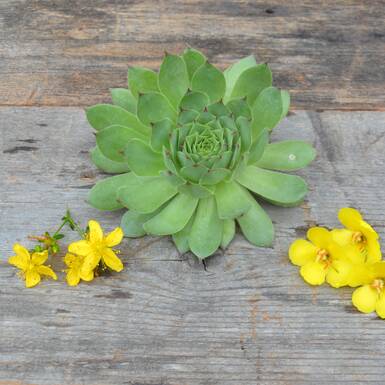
322	259
371	297
31	266
97	247
358	233
74	271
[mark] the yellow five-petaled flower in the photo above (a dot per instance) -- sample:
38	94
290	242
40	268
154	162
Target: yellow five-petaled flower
31	266
97	247
74	271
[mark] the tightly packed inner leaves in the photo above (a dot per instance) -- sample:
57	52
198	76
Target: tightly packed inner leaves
190	145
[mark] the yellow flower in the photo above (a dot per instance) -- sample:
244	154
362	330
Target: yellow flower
31	266
97	247
74	271
371	297
358	233
322	259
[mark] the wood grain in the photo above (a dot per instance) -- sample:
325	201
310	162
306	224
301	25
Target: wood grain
247	319
329	54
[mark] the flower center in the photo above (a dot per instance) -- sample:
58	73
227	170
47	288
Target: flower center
358	237
322	255
378	284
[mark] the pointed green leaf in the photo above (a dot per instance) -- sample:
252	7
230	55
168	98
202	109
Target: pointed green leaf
278	188
196	101
195	190
287	155
193	59
153	107
214	176
146	194
169	161
209	80
194	172
228	232
142	160
103	195
186	117
266	110
231	200
142	80
258	147
173	217
161	132
123	97
173	79
218	110
132	223
244	129
234	72
256	225
104	115
251	82
239	107
181	237
113	139
107	165
207	229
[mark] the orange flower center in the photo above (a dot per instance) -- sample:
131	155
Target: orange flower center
323	256
358	237
378	284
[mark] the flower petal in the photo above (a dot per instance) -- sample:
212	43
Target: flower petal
350	218
70	259
361	274
18	261
39	258
111	260
114	237
73	277
365	298
89	264
82	247
87	275
339	273
302	252
22	258
380	306
47	271
96	232
342	236
32	278
319	236
313	273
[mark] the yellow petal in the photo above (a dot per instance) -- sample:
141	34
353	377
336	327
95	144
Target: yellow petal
302	252
380	306
73	277
32	278
342	236
114	237
373	250
319	236
365	298
82	247
70	259
350	218
18	261
96	232
368	230
45	270
87	276
313	273
379	269
361	274
349	253
338	274
89	264
39	258
111	260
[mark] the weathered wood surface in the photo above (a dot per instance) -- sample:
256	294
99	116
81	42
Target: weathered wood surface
249	319
330	55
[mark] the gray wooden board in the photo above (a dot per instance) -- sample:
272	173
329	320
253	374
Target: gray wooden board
248	319
329	54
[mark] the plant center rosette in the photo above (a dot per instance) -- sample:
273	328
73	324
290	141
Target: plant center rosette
190	145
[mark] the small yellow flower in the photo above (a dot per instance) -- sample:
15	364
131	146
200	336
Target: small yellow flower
97	247
31	266
358	233
74	271
371	296
322	259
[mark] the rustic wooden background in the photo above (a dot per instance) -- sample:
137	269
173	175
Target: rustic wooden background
248	318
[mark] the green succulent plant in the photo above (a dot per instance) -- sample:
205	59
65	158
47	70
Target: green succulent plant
190	145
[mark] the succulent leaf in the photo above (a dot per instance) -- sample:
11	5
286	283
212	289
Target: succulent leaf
196	142
103	195
107	165
123	97
288	155
207	229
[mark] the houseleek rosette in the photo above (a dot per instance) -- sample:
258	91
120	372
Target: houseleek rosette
190	145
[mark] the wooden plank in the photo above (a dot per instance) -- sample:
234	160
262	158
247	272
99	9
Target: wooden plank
330	55
248	319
